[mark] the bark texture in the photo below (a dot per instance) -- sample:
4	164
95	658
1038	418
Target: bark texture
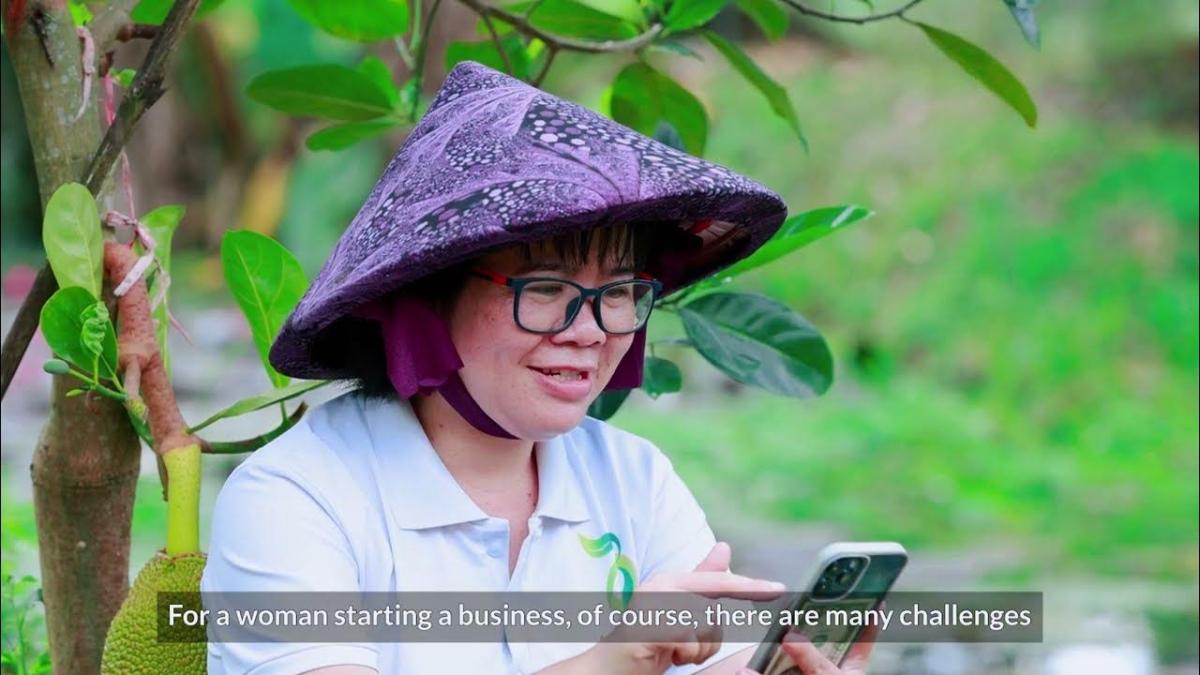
86	464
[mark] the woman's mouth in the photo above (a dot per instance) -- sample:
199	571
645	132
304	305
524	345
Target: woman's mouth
568	384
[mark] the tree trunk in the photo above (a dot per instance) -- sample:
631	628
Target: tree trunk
86	464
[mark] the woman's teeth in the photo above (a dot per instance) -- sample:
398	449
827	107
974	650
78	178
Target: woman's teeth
568	375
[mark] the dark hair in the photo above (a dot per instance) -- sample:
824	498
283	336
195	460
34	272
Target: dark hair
365	363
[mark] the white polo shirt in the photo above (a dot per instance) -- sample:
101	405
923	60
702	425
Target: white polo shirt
354	498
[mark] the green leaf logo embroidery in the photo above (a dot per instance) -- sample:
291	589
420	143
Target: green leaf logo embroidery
621	576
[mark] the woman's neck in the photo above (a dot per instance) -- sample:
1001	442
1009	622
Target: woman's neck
475	459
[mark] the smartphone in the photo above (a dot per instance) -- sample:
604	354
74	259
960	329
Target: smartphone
845	575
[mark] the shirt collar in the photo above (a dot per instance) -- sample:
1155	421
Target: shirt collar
422	493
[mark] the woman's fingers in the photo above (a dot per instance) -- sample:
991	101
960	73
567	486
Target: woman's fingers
717	559
726	585
860	652
806	655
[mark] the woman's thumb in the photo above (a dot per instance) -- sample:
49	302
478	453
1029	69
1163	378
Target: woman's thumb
717	559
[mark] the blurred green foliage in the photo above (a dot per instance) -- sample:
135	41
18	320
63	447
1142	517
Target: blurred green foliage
1015	331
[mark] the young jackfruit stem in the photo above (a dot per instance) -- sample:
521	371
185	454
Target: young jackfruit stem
183	499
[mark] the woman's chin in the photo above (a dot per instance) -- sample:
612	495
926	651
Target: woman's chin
551	421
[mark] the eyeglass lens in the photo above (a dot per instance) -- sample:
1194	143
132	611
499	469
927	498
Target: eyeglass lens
550	306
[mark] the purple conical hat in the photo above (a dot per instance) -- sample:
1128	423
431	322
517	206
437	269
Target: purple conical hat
496	161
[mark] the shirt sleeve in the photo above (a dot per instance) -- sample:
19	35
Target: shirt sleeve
680	539
272	532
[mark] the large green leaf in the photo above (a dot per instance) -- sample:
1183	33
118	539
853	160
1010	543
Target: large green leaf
985	68
1022	11
770	16
758	341
155	11
249	405
267	282
62	322
322	90
629	10
344	135
797	232
642	96
73	240
573	19
162	223
485	52
608	403
379	73
688	14
660	376
776	95
358	20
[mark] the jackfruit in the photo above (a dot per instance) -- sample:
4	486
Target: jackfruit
135	645
132	646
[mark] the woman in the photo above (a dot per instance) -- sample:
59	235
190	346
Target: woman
497	280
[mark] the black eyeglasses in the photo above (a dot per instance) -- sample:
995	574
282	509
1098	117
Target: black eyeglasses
549	305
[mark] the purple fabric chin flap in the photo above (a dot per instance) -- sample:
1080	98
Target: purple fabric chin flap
628	374
416	341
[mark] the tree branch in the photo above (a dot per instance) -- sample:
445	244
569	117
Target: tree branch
487	21
108	22
560	41
553	51
147	87
136	31
860	20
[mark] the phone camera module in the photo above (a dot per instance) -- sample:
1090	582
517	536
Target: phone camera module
839	577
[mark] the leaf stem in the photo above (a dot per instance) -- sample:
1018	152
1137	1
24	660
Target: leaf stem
523	25
860	20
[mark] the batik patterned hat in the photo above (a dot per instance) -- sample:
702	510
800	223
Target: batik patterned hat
496	161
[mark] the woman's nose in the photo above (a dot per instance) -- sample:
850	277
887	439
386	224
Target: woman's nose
584	329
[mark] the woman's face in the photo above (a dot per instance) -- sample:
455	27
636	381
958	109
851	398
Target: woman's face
504	367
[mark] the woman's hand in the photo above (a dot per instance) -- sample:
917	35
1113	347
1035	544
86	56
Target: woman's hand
711	579
810	661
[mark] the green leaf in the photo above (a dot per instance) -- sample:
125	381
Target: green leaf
322	90
62	323
674	45
661	376
162	223
758	341
81	15
379	73
96	324
155	11
249	405
1022	11
573	19
485	52
770	16
688	14
776	95
669	136
346	134
358	20
124	77
797	232
73	240
267	282
629	10
642	97
608	403
985	68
